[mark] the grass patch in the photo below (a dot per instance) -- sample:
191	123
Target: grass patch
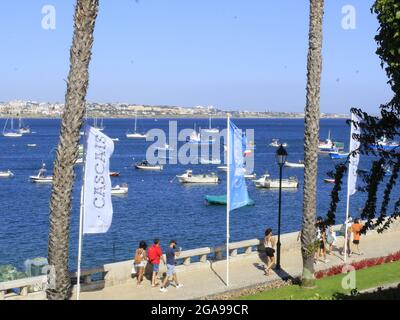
328	287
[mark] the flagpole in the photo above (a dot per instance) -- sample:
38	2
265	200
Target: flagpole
348	196
78	277
228	196
81	212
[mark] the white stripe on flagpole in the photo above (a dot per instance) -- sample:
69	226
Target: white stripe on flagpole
228	198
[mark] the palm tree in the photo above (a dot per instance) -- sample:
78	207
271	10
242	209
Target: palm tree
311	139
67	151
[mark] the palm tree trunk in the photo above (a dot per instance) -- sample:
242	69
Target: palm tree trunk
311	139
67	151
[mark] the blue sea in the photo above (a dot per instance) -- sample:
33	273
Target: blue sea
157	205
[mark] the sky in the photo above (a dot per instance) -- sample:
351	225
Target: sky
232	54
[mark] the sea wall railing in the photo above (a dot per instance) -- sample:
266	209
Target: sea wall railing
121	272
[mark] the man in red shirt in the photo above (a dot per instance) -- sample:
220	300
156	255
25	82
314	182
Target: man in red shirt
154	255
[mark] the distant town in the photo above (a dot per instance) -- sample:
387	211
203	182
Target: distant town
33	109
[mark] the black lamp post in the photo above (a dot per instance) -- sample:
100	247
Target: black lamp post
281	155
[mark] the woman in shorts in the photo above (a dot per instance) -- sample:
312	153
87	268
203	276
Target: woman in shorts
269	244
140	261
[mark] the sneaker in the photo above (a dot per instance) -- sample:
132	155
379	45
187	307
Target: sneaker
179	285
163	289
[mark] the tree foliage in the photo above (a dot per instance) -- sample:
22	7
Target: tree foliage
387	124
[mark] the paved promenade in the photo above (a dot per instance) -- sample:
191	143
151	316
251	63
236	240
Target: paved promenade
245	271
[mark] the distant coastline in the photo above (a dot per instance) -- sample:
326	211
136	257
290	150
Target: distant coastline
54	110
33	116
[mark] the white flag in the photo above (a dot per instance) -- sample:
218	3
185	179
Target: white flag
97	206
353	165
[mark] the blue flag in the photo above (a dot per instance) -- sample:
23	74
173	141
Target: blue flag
239	196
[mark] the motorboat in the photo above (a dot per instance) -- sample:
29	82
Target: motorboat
145	165
328	145
114	174
384	144
79	160
11	133
223	168
266	182
338	155
276	144
299	164
329	180
6	174
120	190
189	177
31	145
115	139
41	176
210	161
135	134
221	200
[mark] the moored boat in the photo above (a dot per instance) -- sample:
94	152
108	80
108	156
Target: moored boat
6	174
299	164
266	182
41	176
276	144
145	165
338	155
114	174
221	200
120	190
189	177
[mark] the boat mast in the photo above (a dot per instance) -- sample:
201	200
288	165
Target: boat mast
135	120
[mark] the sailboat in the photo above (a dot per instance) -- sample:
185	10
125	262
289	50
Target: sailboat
210	130
11	133
23	129
101	127
135	134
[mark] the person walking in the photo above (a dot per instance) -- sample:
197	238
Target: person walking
140	261
155	256
269	245
330	238
171	253
346	228
356	231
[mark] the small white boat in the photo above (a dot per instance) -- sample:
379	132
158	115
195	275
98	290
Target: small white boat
23	129
210	161
115	139
166	147
276	144
210	130
189	177
223	168
6	174
299	164
41	176
79	161
31	145
119	190
266	182
250	176
145	165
